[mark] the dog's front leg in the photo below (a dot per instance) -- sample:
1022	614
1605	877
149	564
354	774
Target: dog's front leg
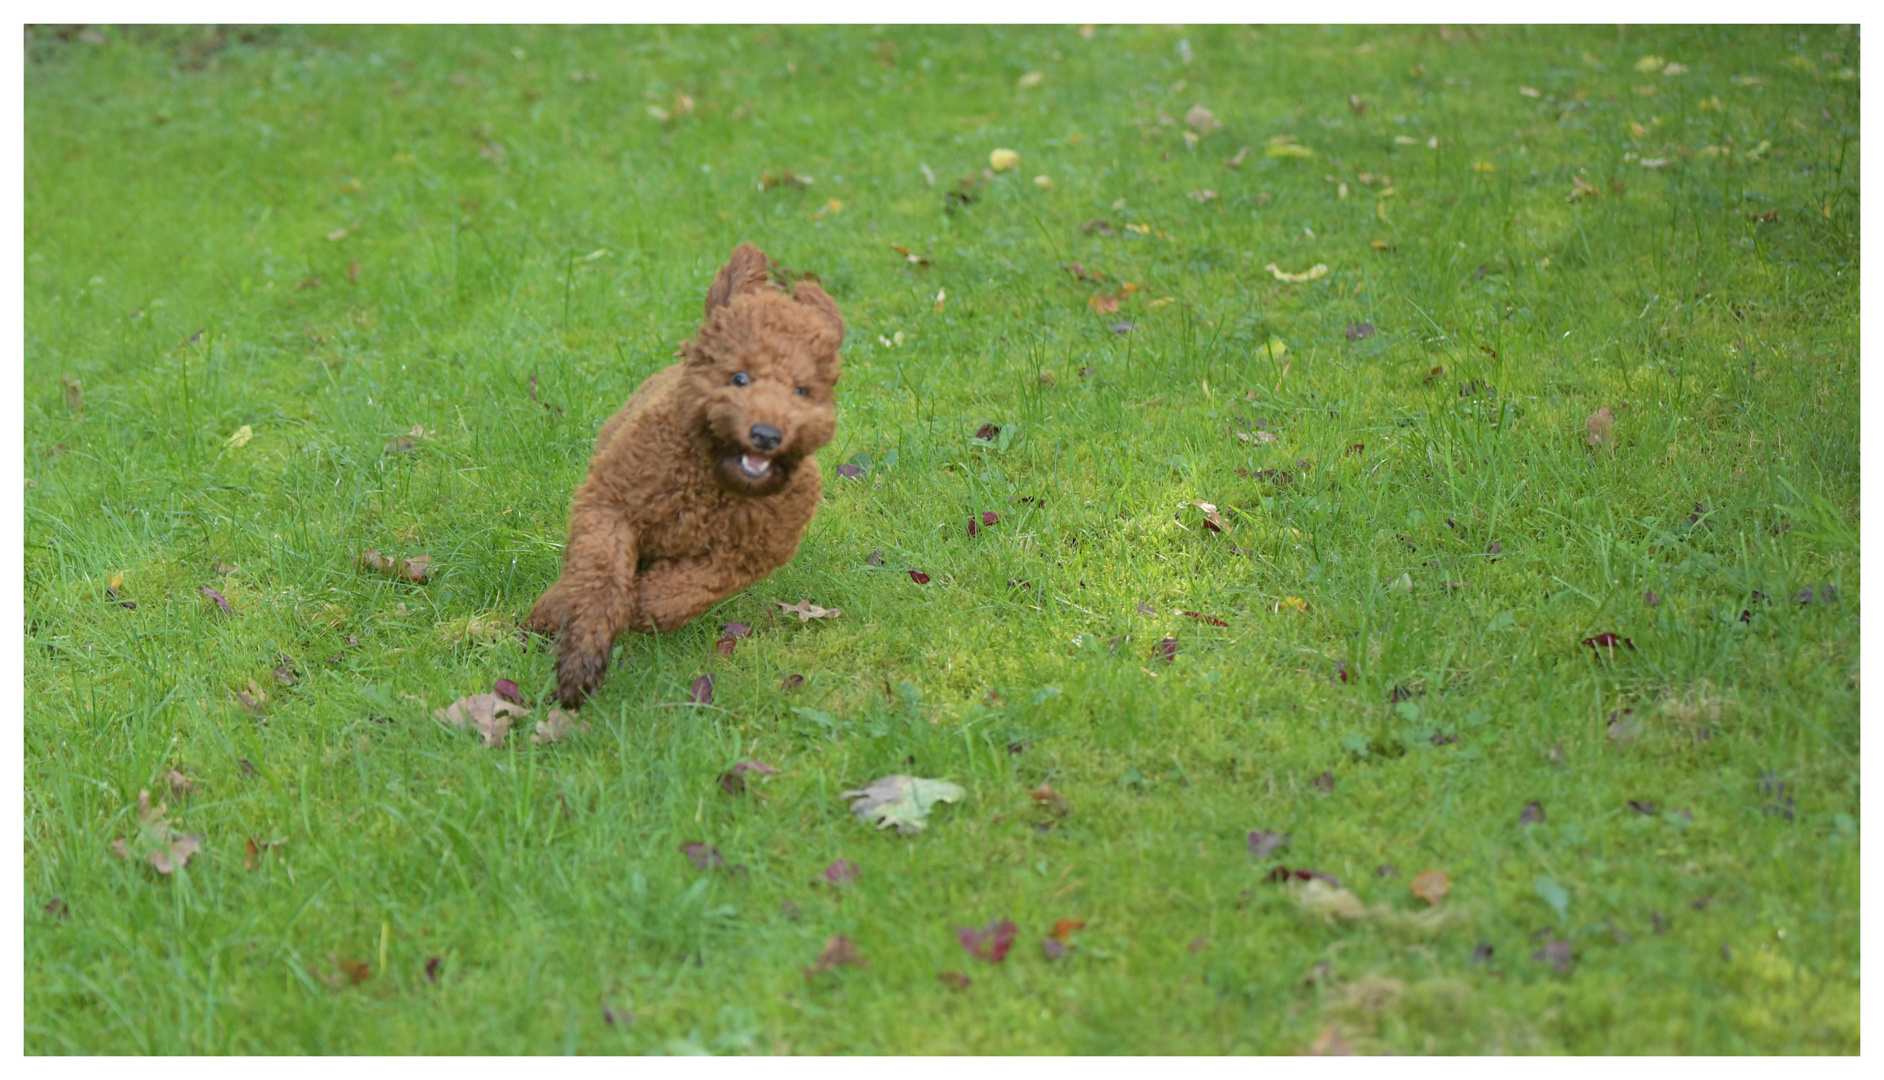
677	591
597	594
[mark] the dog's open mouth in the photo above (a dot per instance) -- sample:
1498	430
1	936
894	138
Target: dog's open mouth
755	465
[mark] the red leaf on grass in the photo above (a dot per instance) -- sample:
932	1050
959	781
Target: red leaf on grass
1054	950
1146	609
991	942
1607	640
703	690
839	951
733	780
973	526
919	577
988	431
849	471
730	633
432	966
508	690
841	872
1166	650
1211	619
1533	814
792	682
989	517
221	601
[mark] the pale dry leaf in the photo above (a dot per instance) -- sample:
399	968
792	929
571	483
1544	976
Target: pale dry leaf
901	801
240	438
417	569
254	699
556	726
1431	886
1600	426
1317	897
1212	519
1002	159
488	714
806	610
1313	273
157	841
1203	195
1202	120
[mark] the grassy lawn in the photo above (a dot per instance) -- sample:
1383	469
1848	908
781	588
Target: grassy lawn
329	290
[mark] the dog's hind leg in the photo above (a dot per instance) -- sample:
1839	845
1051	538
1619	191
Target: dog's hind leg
595	598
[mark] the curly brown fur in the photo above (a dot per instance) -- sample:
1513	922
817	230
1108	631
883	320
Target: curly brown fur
688	499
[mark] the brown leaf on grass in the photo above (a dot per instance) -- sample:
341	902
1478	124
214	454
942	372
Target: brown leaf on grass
1330	1044
1080	271
1201	617
839	951
342	973
1558	955
556	726
1263	843
1052	949
1600	426
1641	807
733	780
1608	640
58	909
1212	519
791	682
1097	225
1237	161
254	699
1582	189
1356	103
72	390
703	856
1045	798
178	783
221	600
1063	929
1201	120
1106	303
919	577
1431	885
955	980
910	257
417	569
1533	814
1624	727
1324	782
1358	331
487	714
284	672
1202	195
157	841
806	611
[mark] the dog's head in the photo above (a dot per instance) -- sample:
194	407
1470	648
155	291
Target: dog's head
764	369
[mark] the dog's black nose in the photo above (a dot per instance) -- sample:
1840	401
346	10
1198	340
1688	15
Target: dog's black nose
765	436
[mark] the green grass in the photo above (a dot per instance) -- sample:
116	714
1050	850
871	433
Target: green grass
504	220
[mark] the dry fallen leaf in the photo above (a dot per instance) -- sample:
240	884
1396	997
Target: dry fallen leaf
489	714
1582	189
556	726
240	438
253	699
1317	897
1600	425
806	610
1212	519
1202	120
157	841
839	951
1002	159
1109	302
1313	273
1203	195
1431	886
901	801
417	569
73	391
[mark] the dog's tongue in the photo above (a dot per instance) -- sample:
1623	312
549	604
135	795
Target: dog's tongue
754	464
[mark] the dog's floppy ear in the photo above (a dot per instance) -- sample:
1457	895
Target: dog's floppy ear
744	272
814	297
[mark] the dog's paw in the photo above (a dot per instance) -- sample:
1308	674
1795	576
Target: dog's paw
579	673
548	616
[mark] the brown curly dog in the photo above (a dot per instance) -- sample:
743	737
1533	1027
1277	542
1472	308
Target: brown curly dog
704	482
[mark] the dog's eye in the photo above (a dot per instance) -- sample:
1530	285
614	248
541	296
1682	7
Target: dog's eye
800	391
740	378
